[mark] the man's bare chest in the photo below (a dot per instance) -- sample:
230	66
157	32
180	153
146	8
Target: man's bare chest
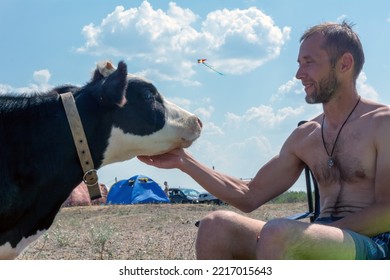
353	155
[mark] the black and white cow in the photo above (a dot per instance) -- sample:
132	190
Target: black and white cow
123	116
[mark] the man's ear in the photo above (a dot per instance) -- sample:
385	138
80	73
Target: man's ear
346	62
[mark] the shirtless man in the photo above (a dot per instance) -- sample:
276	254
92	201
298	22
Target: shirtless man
348	149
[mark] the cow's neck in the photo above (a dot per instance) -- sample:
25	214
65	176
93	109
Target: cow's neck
90	177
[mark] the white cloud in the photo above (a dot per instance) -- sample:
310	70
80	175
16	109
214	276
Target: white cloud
292	86
287	87
236	41
236	158
263	115
243	40
204	113
182	102
211	129
364	89
41	78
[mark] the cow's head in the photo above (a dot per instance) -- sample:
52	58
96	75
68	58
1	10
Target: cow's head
144	122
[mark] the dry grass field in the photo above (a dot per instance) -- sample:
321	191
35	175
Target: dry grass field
142	232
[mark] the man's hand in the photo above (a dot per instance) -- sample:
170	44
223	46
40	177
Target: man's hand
172	159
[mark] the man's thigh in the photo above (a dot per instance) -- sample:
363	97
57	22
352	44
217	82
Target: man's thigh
327	242
289	239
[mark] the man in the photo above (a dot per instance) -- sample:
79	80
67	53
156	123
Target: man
166	188
346	147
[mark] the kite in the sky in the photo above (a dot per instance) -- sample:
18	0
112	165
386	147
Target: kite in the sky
203	61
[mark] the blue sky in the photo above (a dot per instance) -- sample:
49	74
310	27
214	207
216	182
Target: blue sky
247	114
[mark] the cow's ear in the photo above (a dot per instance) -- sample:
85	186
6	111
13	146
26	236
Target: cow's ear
114	86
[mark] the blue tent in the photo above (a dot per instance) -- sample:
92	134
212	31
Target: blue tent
138	189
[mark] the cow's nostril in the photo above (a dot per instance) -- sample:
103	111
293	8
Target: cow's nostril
199	122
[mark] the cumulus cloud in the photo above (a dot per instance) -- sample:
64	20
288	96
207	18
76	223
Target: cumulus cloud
287	87
263	115
241	158
292	86
365	89
237	41
211	129
204	113
42	76
182	102
41	83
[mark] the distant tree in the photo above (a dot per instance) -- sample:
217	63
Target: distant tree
290	197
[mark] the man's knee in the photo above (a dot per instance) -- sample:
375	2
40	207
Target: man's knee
277	228
215	219
213	233
214	225
276	239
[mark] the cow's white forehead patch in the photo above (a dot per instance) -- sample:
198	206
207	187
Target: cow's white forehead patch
106	68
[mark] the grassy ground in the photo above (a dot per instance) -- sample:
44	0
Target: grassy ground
158	232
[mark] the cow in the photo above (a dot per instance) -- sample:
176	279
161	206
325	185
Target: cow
122	116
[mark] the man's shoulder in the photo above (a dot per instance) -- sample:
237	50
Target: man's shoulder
310	125
376	119
376	111
375	107
305	131
377	124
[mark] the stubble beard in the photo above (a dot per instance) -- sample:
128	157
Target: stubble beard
324	90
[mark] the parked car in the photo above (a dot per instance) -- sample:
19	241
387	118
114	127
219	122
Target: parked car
183	195
209	198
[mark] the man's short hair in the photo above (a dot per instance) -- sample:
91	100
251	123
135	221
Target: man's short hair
339	39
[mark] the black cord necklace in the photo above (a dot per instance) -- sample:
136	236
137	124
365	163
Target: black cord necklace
331	161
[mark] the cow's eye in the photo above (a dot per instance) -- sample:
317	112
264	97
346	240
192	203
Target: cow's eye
147	95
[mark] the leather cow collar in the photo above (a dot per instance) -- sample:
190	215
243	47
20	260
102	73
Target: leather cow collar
90	177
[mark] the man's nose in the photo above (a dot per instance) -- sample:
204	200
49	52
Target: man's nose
299	74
